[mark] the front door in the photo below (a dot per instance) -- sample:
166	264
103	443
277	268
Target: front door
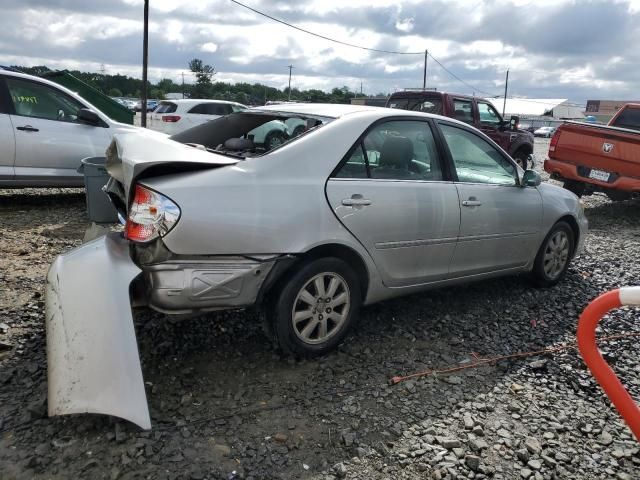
391	194
49	140
7	138
490	123
500	222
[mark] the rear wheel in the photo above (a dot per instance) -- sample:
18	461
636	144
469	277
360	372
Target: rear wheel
574	187
314	310
554	256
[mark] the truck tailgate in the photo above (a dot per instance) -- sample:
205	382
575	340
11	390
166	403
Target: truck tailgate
610	149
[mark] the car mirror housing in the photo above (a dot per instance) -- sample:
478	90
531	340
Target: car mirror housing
530	179
513	122
88	116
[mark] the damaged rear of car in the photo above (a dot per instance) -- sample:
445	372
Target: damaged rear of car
198	237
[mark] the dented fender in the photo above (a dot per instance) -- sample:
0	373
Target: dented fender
92	354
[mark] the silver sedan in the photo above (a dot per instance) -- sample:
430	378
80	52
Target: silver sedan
360	205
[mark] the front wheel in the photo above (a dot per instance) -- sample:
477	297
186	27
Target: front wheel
554	256
274	139
522	159
314	310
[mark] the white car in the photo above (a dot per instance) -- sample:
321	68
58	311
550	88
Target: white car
546	132
175	116
46	130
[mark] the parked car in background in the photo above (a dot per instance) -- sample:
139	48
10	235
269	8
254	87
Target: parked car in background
590	157
546	132
45	130
366	204
472	110
174	116
151	105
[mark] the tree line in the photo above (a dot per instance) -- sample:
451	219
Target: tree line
205	86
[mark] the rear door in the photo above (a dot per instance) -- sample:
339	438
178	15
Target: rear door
500	221
7	136
49	140
392	194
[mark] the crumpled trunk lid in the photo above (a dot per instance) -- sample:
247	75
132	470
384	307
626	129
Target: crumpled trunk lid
147	153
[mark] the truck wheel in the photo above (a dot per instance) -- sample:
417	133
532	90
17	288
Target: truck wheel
574	187
617	195
554	256
315	308
274	139
522	159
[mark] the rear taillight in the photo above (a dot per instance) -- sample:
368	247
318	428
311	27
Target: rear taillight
170	118
150	215
554	141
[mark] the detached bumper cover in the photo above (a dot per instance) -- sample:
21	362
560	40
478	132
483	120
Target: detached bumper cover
92	354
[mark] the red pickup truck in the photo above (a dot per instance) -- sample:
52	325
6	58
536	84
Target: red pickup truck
475	111
605	158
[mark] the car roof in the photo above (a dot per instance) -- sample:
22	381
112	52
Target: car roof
194	101
331	110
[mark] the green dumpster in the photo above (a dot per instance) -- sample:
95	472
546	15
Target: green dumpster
109	107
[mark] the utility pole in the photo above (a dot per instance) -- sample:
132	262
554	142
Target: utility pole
183	85
424	77
145	61
290	68
361	88
506	86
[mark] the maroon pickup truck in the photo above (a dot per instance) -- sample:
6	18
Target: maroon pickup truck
472	110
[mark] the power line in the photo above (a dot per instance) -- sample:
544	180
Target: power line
322	36
458	78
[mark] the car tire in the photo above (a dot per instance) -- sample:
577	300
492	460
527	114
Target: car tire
554	255
574	187
273	139
521	158
328	283
299	130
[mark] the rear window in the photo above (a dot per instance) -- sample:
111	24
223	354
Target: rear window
250	134
427	105
212	109
166	107
628	118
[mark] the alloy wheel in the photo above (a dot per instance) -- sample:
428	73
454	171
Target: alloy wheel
321	308
556	254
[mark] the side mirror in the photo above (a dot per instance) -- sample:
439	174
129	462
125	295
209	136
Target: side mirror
88	116
530	179
513	122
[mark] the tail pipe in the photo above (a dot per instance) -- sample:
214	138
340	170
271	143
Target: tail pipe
601	371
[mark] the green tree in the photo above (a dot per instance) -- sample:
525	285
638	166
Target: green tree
115	92
202	88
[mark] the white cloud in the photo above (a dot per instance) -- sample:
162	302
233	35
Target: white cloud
209	47
405	25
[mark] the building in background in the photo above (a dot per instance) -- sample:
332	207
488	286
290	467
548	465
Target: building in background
539	112
604	110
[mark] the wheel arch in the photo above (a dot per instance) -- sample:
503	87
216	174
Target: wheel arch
573	223
343	252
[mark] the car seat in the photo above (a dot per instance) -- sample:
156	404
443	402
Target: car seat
395	159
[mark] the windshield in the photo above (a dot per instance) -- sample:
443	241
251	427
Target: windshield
250	134
427	105
628	118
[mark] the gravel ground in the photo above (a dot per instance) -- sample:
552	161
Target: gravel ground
225	405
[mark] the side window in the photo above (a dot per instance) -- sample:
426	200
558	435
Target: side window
476	160
488	114
32	99
462	110
356	166
166	107
396	150
237	108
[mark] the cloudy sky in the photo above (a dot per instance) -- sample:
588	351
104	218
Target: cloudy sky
577	49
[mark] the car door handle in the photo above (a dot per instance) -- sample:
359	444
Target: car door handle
471	203
351	202
27	128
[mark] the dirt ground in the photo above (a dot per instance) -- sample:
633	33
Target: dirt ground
224	404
